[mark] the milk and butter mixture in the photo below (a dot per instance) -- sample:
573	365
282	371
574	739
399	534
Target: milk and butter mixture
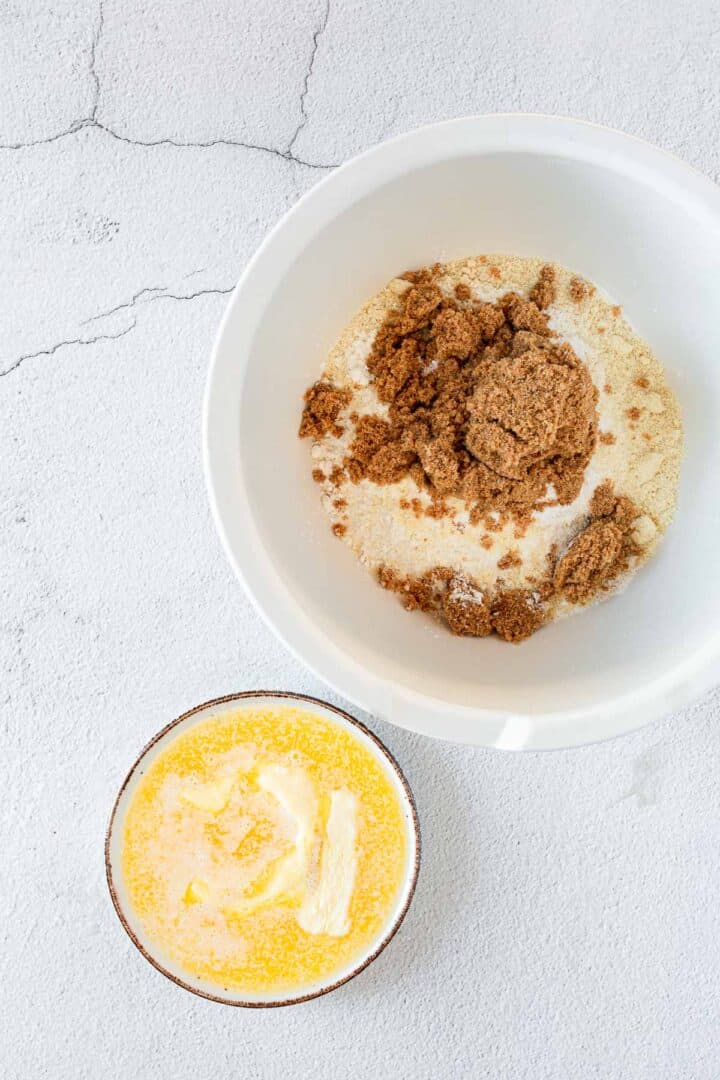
263	850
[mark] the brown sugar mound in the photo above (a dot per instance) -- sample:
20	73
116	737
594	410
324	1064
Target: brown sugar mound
512	614
543	294
484	403
466	615
509	560
579	289
516	614
597	556
601	552
323	404
588	562
534	420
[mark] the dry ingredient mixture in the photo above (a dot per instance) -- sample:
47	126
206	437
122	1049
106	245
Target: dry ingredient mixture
495	442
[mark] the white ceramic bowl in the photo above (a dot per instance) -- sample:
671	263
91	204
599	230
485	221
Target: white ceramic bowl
636	221
113	849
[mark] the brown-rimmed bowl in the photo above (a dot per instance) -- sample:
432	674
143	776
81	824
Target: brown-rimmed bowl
113	840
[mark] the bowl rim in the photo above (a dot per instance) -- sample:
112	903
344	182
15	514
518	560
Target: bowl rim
480	134
410	878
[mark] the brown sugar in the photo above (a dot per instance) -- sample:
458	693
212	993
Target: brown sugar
440	464
602	502
323	404
529	410
463	291
513	614
455	333
371	433
509	560
589	561
516	614
318	476
339	529
420	302
524	314
642	382
459	423
633	413
599	553
578	290
389	464
466	612
608	388
606	438
543	294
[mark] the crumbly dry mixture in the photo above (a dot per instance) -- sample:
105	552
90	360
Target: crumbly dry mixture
495	443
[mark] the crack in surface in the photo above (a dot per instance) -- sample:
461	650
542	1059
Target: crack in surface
156	292
63	344
142	296
93	52
306	81
286	155
90	123
194	296
77	125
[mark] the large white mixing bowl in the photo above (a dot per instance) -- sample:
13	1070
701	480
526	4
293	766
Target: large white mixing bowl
635	220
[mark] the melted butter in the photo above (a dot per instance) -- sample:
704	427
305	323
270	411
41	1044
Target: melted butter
264	849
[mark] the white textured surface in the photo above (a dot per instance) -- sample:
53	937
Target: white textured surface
567	921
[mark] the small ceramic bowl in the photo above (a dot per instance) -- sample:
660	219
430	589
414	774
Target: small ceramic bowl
156	745
640	224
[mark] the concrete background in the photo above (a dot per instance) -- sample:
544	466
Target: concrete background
567	922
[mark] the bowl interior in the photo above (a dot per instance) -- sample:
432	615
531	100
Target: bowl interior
649	247
158	956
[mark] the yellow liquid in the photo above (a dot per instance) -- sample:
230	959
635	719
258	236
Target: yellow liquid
202	843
